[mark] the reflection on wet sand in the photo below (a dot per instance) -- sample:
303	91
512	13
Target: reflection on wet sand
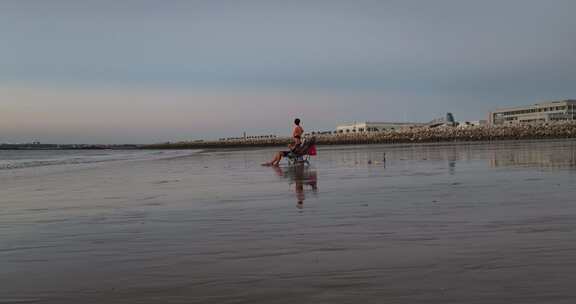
536	156
433	223
299	176
541	154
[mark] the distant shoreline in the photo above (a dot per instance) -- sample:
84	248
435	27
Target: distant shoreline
39	147
556	130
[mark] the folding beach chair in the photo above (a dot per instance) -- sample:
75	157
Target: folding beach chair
302	154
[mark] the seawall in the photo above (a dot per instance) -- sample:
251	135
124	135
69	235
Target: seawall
413	135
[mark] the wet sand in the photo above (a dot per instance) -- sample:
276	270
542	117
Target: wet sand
439	223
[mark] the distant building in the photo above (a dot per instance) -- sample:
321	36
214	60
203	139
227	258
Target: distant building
446	120
473	123
540	112
368	126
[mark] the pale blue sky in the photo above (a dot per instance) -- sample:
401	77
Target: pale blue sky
147	71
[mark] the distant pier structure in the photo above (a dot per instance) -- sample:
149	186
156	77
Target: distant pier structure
246	137
371	126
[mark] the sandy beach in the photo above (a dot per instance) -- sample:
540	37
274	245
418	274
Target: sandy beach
433	223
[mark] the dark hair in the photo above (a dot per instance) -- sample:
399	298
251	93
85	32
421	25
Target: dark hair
297	121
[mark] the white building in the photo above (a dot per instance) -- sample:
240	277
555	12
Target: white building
369	126
473	123
540	112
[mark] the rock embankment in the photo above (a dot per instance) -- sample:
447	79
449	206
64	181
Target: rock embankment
409	135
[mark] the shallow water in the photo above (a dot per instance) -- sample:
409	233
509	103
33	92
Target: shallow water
445	223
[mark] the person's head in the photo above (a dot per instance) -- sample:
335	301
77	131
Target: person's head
297	121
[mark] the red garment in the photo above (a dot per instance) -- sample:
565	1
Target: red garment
312	150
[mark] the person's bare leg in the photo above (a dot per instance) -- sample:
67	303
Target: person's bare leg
275	161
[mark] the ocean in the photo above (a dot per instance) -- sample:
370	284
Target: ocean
20	159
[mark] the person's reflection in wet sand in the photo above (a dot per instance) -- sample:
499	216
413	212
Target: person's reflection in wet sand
300	176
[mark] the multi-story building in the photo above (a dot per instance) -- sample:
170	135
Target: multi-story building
540	112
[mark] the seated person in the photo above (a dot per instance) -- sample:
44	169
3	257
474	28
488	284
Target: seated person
296	137
277	158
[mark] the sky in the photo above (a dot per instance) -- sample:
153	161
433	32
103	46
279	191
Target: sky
127	71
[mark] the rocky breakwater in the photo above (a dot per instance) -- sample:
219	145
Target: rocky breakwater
407	135
444	134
